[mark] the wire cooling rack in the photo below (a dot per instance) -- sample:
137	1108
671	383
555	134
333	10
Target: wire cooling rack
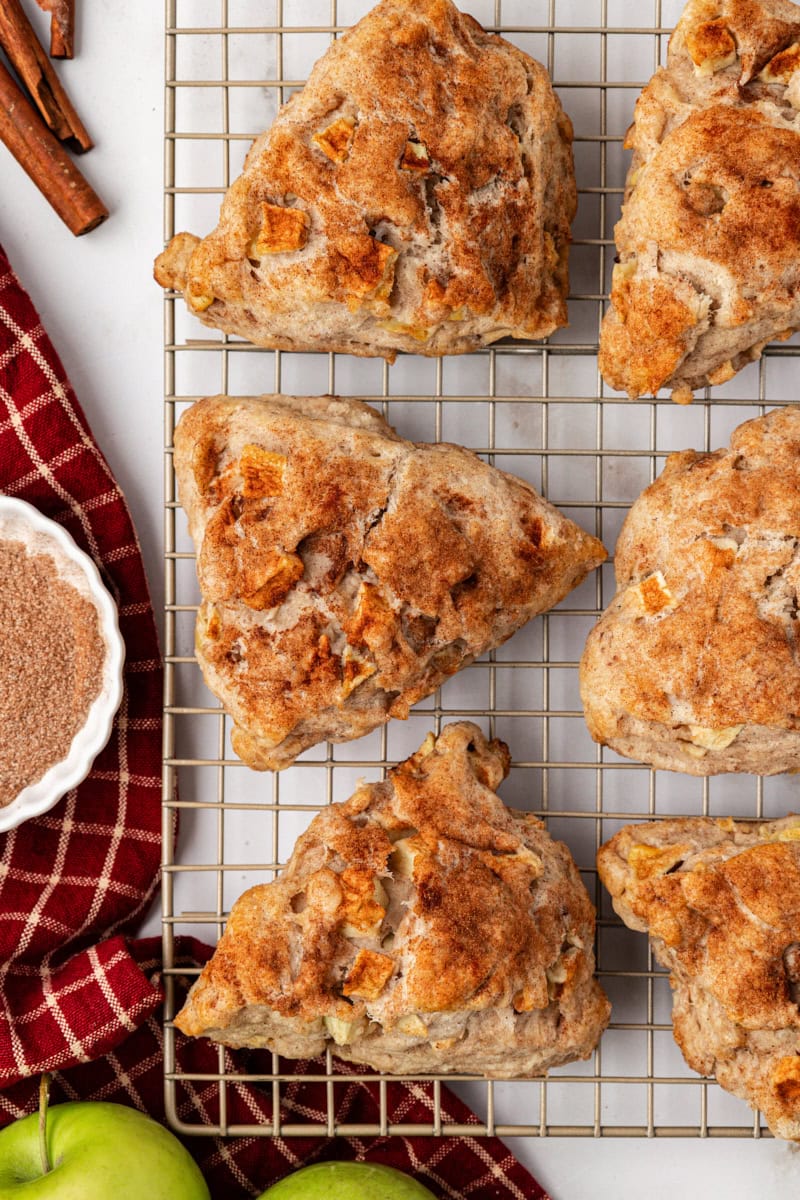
537	410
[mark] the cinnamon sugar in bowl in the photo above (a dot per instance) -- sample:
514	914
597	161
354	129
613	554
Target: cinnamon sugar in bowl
61	657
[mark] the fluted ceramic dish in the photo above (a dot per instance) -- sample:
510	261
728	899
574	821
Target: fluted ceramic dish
19	520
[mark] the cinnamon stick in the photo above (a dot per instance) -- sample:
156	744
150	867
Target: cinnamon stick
46	161
34	68
62	26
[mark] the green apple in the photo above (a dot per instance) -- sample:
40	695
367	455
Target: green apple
96	1151
347	1181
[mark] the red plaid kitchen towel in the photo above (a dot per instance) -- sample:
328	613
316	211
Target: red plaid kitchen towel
76	995
87	869
455	1168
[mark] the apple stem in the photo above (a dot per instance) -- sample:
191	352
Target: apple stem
44	1096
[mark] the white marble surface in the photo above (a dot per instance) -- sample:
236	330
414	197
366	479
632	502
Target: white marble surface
104	314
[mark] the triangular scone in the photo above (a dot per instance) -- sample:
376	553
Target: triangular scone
709	241
721	902
345	572
695	664
416	195
420	927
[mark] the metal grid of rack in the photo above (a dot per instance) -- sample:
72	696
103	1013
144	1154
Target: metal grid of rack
537	410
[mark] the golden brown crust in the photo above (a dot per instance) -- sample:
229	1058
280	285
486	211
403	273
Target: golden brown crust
346	573
425	181
709	241
422	925
721	902
694	666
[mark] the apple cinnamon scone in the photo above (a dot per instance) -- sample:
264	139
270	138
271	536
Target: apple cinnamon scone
420	927
416	195
345	572
720	900
708	246
695	664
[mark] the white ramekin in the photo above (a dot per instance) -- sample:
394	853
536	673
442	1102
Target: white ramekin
17	517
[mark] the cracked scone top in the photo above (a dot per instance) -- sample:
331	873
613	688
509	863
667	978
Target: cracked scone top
720	900
708	263
421	926
346	572
695	664
416	195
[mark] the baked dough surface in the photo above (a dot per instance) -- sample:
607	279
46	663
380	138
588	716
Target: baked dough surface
419	927
708	246
347	573
720	900
695	664
416	195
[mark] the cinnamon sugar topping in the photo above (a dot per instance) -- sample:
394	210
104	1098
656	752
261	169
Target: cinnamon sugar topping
52	655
